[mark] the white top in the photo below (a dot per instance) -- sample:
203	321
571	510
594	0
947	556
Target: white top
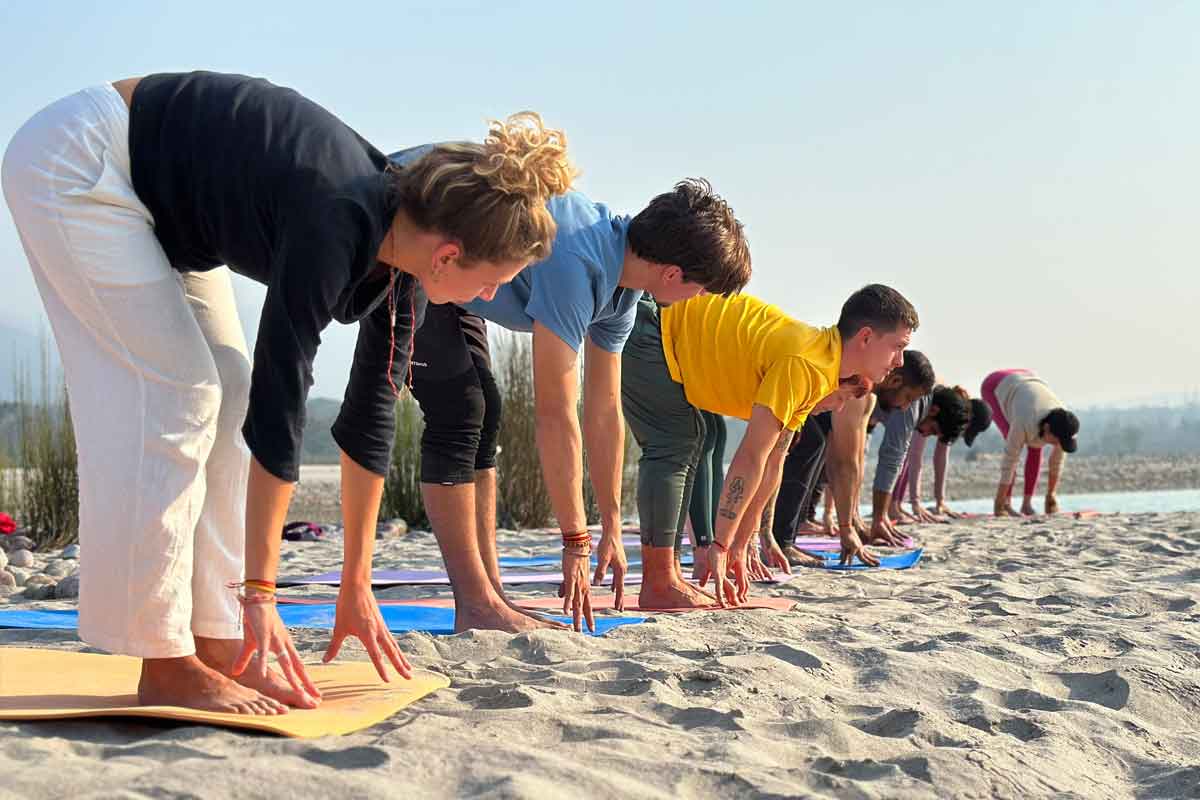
1025	401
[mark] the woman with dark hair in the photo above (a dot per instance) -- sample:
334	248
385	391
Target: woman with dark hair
129	198
1028	415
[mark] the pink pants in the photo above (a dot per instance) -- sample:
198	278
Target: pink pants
1033	459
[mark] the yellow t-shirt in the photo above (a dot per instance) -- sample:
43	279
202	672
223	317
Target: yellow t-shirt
731	353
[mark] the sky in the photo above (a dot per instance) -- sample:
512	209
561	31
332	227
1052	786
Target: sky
1026	173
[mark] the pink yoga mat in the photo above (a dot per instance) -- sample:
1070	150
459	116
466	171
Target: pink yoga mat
435	578
604	602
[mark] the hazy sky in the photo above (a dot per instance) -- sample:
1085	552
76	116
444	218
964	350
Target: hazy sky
1026	173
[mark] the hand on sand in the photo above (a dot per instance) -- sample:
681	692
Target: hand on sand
1051	504
574	590
900	517
612	553
723	587
944	510
357	614
739	571
756	570
266	635
883	532
925	515
774	556
852	547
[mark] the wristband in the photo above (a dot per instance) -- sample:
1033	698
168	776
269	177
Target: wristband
717	543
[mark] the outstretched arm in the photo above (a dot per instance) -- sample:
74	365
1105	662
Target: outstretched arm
560	446
604	435
844	463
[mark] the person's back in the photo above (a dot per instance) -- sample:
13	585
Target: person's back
733	352
1026	401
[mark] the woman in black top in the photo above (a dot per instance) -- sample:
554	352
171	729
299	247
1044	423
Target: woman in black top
129	198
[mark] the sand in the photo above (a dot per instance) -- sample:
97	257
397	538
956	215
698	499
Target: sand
1021	659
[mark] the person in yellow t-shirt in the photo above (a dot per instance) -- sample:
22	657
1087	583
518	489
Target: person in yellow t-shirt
742	357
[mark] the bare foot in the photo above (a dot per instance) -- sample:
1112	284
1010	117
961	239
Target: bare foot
187	682
219	654
498	618
676	594
798	558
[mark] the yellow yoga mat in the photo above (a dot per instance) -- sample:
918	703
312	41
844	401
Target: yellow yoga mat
54	684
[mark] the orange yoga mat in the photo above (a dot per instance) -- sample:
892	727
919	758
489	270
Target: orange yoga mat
55	684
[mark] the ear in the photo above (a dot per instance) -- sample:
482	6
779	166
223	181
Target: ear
671	274
445	254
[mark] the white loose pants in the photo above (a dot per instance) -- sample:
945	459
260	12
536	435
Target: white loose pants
158	377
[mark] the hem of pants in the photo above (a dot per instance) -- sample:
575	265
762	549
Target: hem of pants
141	648
217	629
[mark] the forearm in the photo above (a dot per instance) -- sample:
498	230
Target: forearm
560	447
843	484
362	491
941	468
604	435
267	500
741	485
1057	460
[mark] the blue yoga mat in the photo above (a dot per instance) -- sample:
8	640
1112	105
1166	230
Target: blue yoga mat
902	561
399	619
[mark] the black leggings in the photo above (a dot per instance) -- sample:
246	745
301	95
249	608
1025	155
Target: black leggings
801	472
453	383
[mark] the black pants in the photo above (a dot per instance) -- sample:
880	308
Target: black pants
801	471
453	382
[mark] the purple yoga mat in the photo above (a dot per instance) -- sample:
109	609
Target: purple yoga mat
418	577
802	542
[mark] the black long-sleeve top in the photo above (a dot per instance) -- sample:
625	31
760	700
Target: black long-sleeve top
240	172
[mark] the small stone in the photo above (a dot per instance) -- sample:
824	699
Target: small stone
19	574
7	579
39	592
6	591
60	568
16	542
68	587
391	529
40	580
3	559
70	551
20	558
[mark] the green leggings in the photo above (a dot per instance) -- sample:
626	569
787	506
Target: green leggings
710	476
667	427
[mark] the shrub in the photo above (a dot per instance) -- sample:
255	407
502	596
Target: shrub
402	487
46	492
521	493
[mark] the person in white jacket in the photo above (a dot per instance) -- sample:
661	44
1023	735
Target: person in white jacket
1028	415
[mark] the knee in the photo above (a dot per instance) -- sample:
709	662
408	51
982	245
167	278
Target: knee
454	413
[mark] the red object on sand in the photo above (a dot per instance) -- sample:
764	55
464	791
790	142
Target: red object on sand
7	524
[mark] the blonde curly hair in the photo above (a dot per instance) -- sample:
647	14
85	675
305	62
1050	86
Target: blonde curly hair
491	197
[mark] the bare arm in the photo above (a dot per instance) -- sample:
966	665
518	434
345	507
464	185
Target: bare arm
267	500
941	468
761	511
746	473
844	462
559	438
604	432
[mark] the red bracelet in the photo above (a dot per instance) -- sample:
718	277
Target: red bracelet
575	538
718	544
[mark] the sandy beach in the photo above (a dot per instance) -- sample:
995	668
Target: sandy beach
1030	658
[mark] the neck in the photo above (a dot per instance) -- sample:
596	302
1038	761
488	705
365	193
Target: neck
405	247
636	272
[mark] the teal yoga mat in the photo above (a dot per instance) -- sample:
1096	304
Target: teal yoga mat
902	561
399	619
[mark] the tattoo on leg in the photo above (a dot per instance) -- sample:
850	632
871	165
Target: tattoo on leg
733	499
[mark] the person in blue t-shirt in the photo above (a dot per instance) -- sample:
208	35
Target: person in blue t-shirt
580	301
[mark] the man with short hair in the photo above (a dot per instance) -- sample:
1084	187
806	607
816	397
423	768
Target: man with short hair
941	413
979	420
580	301
903	385
740	357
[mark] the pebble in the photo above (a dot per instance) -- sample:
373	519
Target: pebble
20	558
68	587
60	568
3	559
7	580
19	574
39	587
5	591
391	529
16	542
70	551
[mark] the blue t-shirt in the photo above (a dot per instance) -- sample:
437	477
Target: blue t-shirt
574	292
